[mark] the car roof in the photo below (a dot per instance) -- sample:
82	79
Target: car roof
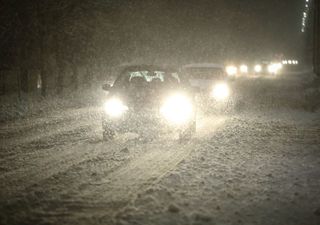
203	65
147	67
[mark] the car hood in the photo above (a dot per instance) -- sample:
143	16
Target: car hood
204	84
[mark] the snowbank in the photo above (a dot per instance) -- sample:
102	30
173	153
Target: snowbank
12	107
291	91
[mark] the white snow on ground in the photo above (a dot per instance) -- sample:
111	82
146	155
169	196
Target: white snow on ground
30	106
257	166
253	170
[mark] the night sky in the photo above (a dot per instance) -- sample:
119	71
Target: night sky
154	31
217	29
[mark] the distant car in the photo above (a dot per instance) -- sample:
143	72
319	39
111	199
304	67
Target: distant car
211	80
260	68
267	68
149	98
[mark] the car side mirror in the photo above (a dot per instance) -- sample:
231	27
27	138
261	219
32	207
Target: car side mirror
106	87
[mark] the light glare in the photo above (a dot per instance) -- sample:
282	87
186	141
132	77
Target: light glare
274	68
114	107
244	69
231	70
177	109
258	68
220	92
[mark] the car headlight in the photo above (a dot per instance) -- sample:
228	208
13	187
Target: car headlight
258	68
114	107
220	92
274	68
177	109
231	70
244	69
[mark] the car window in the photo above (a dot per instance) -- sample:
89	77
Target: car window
149	76
136	77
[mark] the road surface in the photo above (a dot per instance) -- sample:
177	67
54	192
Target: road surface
254	167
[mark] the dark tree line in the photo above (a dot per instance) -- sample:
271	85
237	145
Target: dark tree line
64	38
53	37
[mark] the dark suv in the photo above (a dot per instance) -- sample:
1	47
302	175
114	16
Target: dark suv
149	98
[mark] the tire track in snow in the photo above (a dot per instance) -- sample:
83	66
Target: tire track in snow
38	136
41	168
122	186
24	128
19	156
117	189
52	118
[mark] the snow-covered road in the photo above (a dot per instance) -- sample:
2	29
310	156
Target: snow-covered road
254	167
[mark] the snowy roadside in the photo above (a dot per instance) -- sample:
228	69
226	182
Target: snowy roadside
32	106
287	91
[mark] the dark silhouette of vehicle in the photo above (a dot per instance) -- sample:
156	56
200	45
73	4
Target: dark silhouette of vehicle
151	99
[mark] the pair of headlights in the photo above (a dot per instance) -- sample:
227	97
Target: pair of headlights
243	69
177	109
233	70
273	68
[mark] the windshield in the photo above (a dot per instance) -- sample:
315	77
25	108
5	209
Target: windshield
146	77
